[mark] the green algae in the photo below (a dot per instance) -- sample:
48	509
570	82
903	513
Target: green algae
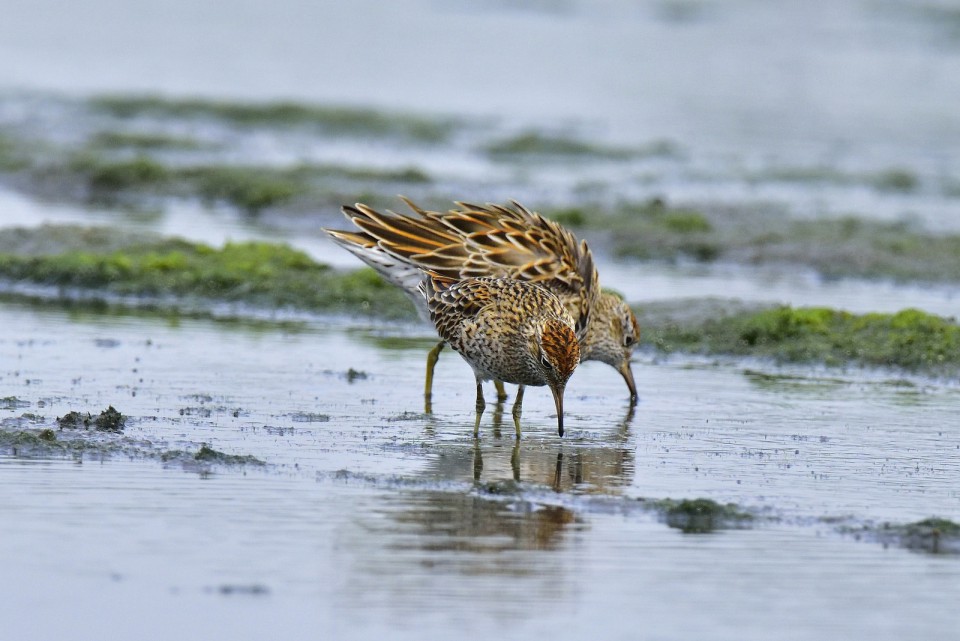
541	144
835	247
354	375
894	179
29	441
207	454
250	188
12	154
109	420
533	143
12	403
332	120
910	340
259	274
701	516
650	230
309	417
45	443
933	535
144	141
108	176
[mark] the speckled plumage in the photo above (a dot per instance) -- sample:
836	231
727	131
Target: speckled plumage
496	241
507	330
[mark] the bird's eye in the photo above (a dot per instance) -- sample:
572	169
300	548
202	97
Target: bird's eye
628	341
543	361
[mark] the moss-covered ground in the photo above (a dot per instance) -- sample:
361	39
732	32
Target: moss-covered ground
275	276
836	248
249	188
534	143
909	340
332	120
933	535
258	274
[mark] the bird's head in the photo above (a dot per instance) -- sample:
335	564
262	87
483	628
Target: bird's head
557	354
612	335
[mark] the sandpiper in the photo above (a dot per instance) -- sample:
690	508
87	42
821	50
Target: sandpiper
507	330
496	241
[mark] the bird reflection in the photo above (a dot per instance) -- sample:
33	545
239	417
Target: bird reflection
501	512
595	467
478	461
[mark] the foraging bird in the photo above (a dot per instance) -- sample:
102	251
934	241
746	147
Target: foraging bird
496	241
507	330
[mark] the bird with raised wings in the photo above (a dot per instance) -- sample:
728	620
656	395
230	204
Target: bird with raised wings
496	241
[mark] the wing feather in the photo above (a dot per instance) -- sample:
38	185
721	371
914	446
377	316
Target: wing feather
485	241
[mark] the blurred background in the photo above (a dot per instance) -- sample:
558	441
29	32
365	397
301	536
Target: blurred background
814	109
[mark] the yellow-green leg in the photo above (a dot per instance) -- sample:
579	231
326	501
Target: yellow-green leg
432	356
515	461
518	409
480	405
501	393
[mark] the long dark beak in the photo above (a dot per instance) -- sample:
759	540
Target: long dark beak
558	399
627	375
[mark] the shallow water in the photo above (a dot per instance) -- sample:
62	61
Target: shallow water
371	518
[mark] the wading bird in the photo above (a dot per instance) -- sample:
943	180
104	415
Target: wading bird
507	330
495	241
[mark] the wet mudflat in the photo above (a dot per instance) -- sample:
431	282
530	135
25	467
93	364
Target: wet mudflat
363	516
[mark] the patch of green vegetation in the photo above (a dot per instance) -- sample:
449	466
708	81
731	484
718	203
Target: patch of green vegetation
74	420
499	488
12	403
45	443
540	144
781	382
934	535
144	141
812	174
686	222
309	417
209	455
250	188
570	217
112	176
911	340
951	187
261	274
109	420
12	156
348	121
893	179
407	416
355	375
835	247
29	439
701	516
